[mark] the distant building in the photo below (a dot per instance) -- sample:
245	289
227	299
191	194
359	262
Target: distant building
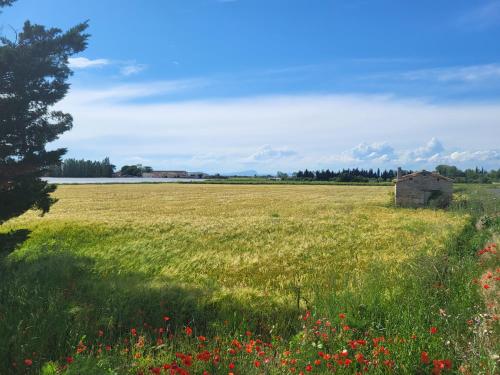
198	175
417	189
166	174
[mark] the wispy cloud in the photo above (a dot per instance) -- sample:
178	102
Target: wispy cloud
126	68
266	153
131	69
482	17
119	93
472	73
84	63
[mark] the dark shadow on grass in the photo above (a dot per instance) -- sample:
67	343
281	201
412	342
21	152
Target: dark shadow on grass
10	241
48	303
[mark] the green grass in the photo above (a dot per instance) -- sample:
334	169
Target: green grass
267	181
224	259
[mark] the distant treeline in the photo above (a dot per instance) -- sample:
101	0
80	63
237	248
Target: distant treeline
370	175
82	168
469	175
346	175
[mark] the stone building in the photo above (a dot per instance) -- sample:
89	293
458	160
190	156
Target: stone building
417	189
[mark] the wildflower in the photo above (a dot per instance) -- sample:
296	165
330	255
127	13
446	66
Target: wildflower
156	370
359	357
307	315
202	338
100	333
346	328
347	362
309	368
108	348
486	286
342	316
69	360
133	331
248	333
424	357
187	361
317	362
231	366
81	347
389	363
257	364
28	362
433	330
204	356
189	331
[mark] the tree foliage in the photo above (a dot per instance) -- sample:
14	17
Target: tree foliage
347	175
34	76
132	170
82	168
469	175
6	3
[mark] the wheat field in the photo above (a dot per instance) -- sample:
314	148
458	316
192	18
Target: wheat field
224	258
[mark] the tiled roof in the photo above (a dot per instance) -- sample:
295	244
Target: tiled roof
423	173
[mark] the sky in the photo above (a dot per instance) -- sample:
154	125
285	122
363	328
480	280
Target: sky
280	85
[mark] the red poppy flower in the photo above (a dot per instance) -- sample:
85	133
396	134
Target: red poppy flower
28	362
231	366
424	357
69	359
133	331
309	368
342	316
433	330
189	331
257	364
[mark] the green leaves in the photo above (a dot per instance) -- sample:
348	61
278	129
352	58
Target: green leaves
33	78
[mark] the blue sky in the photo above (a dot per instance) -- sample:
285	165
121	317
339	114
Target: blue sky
228	85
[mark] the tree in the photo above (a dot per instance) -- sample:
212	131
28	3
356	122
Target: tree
6	3
33	77
131	170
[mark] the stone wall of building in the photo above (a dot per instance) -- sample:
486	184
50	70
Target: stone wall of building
416	189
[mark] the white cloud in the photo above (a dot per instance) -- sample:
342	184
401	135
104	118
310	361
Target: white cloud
132	69
375	151
318	130
472	73
84	63
431	150
475	156
266	153
112	94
